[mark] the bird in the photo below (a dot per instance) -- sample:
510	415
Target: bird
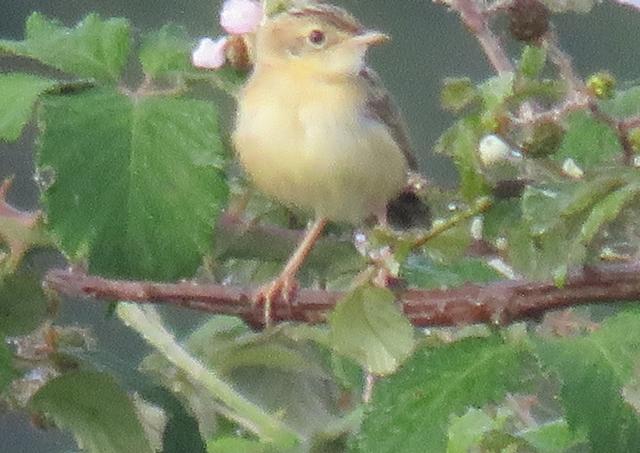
315	127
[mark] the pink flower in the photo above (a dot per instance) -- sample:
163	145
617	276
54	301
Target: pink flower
209	54
240	16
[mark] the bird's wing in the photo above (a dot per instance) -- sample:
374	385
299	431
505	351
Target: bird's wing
382	106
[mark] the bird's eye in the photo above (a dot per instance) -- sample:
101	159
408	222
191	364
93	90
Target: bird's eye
317	38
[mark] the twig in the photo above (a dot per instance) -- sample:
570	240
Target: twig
481	205
147	322
499	303
476	21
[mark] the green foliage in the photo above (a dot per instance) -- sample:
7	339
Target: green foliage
95	409
461	143
22	304
236	444
467	430
566	217
415	404
19	93
134	180
423	273
593	370
532	61
625	103
367	326
137	182
166	52
458	93
7	372
94	48
553	437
589	142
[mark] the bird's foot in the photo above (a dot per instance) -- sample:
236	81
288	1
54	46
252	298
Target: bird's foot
281	290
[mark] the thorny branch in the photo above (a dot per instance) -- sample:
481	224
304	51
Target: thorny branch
497	303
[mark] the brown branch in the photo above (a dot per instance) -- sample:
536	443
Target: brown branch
497	303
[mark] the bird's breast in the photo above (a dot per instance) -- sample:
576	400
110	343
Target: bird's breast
314	147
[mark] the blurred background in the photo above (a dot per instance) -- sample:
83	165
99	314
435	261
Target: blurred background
429	43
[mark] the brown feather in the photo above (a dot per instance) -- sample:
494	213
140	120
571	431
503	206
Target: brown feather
333	15
382	106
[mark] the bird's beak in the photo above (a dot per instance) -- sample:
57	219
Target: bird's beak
370	38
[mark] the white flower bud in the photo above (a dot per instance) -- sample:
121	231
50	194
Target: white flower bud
209	54
493	149
570	168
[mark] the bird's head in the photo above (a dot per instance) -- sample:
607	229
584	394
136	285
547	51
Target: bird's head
318	38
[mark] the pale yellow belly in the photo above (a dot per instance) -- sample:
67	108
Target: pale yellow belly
341	166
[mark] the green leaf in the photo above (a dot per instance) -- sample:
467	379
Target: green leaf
624	104
19	93
555	437
461	143
166	51
566	218
588	142
411	410
422	273
93	48
532	61
495	93
593	370
137	183
458	93
7	373
606	211
237	444
467	430
22	304
368	327
95	409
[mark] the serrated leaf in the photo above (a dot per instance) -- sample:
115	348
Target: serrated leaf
554	437
414	405
532	61
593	370
7	372
94	48
467	430
368	327
137	186
95	409
422	273
19	93
458	93
588	142
166	51
22	304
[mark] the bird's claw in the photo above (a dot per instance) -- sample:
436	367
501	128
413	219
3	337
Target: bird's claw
283	289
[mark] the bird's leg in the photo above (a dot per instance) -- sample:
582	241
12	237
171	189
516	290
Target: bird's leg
284	284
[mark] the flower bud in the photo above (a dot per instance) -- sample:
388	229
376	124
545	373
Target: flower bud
528	20
602	85
209	54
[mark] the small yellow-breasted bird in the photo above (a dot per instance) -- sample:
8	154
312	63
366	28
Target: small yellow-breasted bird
315	128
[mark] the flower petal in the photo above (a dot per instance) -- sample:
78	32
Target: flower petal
240	16
209	54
